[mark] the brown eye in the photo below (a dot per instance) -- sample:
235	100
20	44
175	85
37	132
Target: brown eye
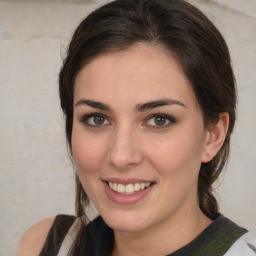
160	121
95	120
98	120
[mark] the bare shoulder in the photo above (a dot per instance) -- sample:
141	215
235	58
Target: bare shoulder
33	240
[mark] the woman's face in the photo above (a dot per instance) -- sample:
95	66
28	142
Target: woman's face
138	137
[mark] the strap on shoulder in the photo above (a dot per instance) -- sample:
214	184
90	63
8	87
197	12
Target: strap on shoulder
244	246
60	227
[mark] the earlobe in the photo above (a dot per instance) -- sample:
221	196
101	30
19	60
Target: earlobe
215	138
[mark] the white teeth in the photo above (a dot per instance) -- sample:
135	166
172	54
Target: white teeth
115	187
137	187
121	188
129	188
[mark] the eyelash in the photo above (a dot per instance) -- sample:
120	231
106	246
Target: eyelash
170	119
85	119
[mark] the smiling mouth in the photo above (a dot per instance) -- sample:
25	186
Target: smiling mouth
128	189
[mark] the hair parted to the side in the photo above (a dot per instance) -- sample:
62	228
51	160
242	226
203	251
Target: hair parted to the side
191	38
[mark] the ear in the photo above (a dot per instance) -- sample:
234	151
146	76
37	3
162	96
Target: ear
215	138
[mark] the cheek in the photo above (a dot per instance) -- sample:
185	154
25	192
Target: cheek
180	155
88	153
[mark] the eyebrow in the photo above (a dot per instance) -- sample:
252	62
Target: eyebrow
139	107
94	104
158	103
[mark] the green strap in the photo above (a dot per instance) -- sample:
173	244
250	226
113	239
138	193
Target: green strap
215	240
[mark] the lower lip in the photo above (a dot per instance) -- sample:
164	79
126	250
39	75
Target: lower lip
126	199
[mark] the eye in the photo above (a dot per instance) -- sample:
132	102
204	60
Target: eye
160	120
95	120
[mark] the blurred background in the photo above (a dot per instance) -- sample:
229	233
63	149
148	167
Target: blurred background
36	176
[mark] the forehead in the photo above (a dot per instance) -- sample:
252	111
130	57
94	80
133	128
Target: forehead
137	74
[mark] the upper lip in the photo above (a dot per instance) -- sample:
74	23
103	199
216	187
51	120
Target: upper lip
126	181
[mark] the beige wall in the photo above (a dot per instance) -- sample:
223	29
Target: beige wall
36	177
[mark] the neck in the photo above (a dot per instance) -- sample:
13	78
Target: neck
163	239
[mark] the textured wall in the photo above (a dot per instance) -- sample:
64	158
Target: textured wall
36	177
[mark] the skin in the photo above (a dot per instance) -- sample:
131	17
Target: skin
129	144
34	238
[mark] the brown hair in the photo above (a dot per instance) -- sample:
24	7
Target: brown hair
195	42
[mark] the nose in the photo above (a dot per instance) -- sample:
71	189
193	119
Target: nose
124	151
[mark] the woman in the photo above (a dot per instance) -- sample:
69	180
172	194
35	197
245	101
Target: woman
149	98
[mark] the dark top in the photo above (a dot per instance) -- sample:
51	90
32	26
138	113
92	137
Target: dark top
97	240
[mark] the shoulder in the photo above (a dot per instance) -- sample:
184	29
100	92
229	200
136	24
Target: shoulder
245	245
33	240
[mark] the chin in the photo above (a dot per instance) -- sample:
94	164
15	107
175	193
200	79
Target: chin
124	222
